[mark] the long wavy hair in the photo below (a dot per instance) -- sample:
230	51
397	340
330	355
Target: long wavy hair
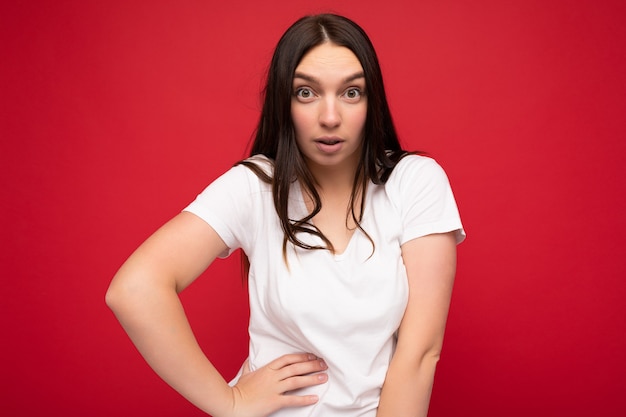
275	134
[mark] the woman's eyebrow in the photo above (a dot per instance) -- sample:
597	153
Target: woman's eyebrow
315	80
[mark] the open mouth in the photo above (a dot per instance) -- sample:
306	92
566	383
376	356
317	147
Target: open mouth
329	141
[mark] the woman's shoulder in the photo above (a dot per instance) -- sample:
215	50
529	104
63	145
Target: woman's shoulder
261	161
415	166
248	176
416	177
260	165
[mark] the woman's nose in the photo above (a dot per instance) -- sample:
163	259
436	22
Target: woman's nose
329	113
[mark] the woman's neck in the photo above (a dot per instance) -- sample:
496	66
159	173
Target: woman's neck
334	181
334	178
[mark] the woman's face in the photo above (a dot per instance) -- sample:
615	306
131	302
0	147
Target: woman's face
329	107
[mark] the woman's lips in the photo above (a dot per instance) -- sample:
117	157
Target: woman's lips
328	141
329	145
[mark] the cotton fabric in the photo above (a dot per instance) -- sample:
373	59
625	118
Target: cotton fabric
344	308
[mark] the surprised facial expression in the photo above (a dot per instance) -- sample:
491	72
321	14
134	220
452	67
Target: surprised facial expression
329	107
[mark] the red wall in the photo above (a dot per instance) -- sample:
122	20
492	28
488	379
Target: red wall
115	114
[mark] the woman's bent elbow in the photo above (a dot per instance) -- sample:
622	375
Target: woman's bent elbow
119	293
113	296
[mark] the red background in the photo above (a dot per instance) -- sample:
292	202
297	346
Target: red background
115	114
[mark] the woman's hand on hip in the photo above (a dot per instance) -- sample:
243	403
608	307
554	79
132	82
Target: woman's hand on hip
263	391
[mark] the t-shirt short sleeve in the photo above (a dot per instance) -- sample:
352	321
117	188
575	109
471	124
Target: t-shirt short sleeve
422	193
225	206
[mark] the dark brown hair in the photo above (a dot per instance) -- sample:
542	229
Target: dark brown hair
275	135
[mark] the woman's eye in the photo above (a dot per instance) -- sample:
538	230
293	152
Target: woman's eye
304	93
353	93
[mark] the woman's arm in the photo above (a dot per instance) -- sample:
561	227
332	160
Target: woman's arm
431	265
144	297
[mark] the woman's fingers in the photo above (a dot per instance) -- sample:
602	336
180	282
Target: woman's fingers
269	388
296	365
289	359
298	400
303	368
297	382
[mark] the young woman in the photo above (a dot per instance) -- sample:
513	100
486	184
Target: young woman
351	244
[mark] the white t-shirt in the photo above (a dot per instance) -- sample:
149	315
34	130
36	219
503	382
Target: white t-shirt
343	308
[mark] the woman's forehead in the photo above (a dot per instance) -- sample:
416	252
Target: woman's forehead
329	59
